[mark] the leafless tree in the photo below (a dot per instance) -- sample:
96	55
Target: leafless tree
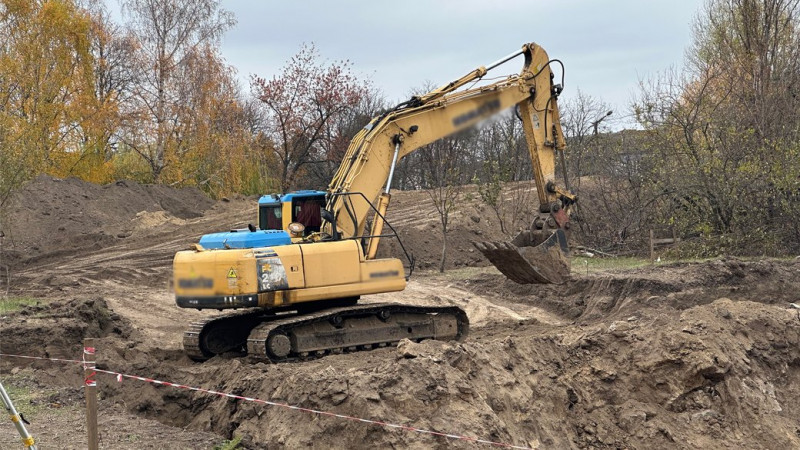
503	160
167	33
583	119
444	162
301	105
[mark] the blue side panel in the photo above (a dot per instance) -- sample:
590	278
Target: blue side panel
245	238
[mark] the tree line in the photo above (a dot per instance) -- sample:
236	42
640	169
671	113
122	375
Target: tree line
714	155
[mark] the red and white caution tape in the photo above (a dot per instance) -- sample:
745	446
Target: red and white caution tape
120	376
89	381
42	359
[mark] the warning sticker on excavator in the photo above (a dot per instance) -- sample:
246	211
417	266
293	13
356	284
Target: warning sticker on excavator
232	273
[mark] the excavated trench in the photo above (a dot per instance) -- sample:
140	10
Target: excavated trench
683	356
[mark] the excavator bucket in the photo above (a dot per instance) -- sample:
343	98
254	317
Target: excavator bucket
530	258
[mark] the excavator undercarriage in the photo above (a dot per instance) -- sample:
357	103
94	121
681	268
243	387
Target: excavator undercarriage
299	335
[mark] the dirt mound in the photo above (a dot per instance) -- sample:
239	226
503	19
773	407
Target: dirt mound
414	217
53	215
677	286
57	329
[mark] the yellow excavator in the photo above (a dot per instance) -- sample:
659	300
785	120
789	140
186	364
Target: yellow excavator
299	274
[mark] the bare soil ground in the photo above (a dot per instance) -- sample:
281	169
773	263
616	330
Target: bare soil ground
681	355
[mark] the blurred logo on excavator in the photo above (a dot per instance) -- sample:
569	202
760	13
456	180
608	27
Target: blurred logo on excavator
232	273
196	283
385	274
488	108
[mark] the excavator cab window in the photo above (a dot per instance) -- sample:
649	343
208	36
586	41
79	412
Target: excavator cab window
306	210
269	217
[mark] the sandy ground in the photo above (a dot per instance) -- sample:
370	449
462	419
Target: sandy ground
676	355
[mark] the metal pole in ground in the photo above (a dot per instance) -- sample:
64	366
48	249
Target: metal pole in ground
90	388
27	439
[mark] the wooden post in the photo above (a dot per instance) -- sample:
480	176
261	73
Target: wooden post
652	247
90	388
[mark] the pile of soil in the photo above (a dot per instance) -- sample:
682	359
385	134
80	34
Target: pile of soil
60	215
419	228
637	362
57	329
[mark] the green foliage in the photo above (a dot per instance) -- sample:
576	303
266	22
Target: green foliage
583	265
21	396
11	304
755	243
232	444
128	165
726	133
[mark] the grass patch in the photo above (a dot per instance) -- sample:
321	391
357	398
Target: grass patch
232	444
582	265
11	304
21	397
461	273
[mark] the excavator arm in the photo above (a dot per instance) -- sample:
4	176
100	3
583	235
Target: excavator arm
368	166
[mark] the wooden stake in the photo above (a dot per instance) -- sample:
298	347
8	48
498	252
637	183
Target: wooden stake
90	388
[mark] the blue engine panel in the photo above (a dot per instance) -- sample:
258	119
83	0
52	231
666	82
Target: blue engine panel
245	238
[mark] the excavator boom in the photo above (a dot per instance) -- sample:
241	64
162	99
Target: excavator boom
370	160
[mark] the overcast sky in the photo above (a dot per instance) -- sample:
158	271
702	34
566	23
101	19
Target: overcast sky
606	46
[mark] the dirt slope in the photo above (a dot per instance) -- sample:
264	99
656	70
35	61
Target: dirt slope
682	355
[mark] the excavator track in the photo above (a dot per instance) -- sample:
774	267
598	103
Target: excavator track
228	332
294	336
356	328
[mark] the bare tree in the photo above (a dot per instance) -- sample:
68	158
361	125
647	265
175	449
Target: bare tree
583	118
336	137
503	155
444	163
168	33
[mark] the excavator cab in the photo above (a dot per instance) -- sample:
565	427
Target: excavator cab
277	212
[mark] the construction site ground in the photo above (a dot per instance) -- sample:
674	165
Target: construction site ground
669	355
